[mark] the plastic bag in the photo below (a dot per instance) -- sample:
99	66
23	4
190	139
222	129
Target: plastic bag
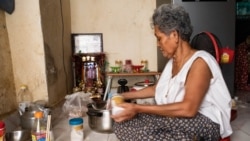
76	104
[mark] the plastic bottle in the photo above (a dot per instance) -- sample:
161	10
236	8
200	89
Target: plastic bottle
24	97
38	132
77	133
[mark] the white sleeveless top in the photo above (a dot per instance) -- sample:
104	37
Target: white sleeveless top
217	102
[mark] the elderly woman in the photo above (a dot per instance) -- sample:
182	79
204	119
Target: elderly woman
192	99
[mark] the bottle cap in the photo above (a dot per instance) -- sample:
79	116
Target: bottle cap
23	87
75	121
38	114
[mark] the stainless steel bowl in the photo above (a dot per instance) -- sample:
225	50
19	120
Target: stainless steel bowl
19	135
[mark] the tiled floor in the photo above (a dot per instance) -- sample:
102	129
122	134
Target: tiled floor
241	125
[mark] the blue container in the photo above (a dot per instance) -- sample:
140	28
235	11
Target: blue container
76	121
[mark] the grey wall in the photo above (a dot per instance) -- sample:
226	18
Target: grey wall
218	18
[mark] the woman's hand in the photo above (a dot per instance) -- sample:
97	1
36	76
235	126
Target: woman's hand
128	113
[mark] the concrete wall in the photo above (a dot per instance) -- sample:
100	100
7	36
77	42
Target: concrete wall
35	50
7	84
27	49
56	28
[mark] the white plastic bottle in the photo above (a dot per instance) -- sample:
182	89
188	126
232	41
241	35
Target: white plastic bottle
77	133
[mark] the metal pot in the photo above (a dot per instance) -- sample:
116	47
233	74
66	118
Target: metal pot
28	119
99	120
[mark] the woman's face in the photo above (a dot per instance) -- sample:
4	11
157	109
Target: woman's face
166	43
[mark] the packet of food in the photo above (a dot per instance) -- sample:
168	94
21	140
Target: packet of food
115	101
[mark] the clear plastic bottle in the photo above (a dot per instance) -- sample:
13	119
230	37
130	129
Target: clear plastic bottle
38	132
77	133
24	97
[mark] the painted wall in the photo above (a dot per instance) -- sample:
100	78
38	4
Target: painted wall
38	33
125	24
35	50
27	51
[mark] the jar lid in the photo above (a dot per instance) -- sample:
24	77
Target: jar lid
75	121
2	124
38	114
23	87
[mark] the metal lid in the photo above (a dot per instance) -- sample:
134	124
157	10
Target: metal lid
38	114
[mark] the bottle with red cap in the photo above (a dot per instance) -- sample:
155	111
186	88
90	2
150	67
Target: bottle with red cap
2	131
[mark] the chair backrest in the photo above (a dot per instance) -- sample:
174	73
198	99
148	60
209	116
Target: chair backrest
209	42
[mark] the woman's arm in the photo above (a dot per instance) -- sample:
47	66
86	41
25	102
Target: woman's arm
196	86
146	92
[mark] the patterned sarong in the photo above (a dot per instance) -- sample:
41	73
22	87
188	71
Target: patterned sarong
145	127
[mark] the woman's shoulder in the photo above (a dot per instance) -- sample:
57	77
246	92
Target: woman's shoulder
202	52
205	55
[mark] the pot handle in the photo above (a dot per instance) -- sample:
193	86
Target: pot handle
98	114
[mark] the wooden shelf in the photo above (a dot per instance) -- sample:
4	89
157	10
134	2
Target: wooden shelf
133	74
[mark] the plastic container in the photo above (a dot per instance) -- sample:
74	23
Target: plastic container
38	132
77	133
115	101
2	131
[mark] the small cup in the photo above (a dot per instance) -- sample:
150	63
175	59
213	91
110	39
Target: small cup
116	110
115	101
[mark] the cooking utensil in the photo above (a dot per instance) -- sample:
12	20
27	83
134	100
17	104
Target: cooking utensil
99	120
98	105
18	135
27	119
108	87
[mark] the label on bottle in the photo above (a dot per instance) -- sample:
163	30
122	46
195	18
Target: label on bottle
38	136
78	127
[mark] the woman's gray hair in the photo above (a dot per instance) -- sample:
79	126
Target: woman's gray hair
169	17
